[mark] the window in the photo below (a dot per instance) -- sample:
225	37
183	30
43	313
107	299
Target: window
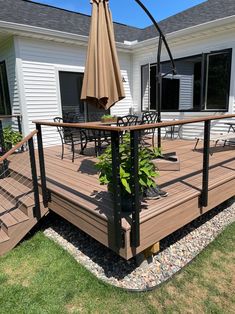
5	105
202	83
217	80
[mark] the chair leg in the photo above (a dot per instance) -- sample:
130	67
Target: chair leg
73	151
62	154
196	144
83	147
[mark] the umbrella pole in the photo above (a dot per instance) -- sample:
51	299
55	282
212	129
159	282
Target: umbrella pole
159	90
162	38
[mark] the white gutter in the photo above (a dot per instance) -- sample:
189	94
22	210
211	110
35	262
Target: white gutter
40	32
188	31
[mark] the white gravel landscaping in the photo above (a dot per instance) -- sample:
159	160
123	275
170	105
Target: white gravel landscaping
177	250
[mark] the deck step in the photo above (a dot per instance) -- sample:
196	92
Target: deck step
5	204
17	191
13	218
3	236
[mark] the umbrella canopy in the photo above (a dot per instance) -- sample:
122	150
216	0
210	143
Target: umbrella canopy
102	83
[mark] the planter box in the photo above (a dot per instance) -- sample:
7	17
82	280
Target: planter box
166	164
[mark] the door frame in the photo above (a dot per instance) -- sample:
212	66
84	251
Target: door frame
71	69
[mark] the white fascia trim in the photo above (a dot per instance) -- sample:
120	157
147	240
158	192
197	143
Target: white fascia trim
40	32
187	31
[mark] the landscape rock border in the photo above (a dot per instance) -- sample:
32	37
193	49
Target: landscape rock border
177	250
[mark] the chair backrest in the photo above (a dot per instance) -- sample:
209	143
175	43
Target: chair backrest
65	133
59	120
127	120
149	117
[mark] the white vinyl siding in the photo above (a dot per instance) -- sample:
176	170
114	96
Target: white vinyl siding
41	62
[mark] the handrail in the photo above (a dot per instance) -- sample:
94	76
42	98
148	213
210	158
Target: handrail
99	126
18	145
10	116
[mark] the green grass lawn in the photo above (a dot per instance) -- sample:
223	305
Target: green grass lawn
40	277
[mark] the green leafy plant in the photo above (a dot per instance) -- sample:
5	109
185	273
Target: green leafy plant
147	171
11	137
108	117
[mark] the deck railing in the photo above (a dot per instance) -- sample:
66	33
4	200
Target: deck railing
135	133
3	118
9	177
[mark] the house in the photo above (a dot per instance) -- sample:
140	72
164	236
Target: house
43	52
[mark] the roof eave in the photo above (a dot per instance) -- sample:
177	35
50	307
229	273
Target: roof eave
190	31
50	34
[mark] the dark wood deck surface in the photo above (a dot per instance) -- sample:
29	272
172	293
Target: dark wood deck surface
75	188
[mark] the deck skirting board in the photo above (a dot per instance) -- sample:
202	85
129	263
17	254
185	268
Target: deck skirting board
152	230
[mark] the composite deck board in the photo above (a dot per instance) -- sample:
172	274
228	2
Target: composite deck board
78	196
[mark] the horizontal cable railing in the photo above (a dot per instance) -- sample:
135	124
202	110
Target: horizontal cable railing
18	178
135	135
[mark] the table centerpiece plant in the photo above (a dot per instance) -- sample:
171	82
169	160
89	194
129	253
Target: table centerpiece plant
108	118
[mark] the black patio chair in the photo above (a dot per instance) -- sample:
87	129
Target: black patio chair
100	137
128	120
71	137
148	117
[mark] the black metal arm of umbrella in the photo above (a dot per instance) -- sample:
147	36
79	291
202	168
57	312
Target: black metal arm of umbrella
162	36
159	75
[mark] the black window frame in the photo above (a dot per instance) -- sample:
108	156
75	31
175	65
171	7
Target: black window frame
203	81
4	88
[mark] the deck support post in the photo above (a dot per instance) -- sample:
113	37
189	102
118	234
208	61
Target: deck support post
34	179
206	159
116	189
135	226
45	195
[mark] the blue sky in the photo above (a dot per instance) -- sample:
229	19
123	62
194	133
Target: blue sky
127	11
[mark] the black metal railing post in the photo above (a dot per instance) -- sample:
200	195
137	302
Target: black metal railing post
37	213
4	169
19	122
2	144
116	189
135	227
206	159
45	194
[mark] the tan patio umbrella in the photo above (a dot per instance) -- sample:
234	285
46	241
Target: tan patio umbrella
102	83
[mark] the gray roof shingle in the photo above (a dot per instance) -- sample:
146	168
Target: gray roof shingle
35	14
205	12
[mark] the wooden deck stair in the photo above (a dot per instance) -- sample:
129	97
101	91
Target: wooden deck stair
17	213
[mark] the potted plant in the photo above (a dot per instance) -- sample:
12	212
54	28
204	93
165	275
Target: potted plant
11	137
108	118
147	171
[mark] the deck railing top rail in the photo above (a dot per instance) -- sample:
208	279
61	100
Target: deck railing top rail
10	116
109	127
17	146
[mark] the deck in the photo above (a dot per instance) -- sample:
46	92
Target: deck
77	195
